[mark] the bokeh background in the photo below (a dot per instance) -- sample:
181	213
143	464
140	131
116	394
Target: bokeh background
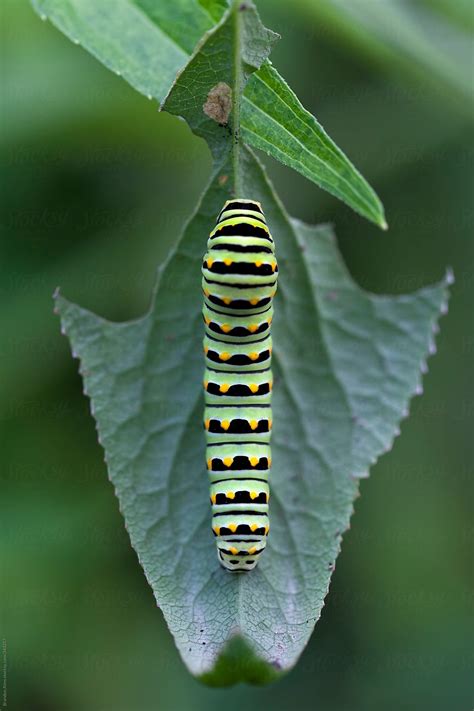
96	185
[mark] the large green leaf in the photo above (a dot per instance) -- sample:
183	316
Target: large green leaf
149	42
346	364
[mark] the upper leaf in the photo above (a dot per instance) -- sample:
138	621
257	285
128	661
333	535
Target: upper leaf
274	120
208	91
345	363
149	42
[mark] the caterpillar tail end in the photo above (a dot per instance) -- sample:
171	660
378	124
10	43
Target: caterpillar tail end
243	565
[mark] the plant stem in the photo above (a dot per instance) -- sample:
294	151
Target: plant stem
236	98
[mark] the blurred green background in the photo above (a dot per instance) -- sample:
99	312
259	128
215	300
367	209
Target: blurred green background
96	185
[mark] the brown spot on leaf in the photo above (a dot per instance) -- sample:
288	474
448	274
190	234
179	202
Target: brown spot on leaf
222	179
219	103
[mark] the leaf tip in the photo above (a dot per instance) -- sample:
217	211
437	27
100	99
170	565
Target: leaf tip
239	662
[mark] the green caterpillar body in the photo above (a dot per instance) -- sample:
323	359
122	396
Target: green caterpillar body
239	282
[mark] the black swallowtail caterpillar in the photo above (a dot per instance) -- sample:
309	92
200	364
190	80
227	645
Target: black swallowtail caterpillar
239	282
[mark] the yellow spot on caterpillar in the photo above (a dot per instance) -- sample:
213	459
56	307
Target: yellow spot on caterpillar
224	355
270	350
225	424
254	356
232	527
216	530
269	320
270	423
205	383
206	292
273	293
224	387
253	424
253	526
209	464
206	424
228	461
270	385
254	302
274	267
227	262
234	550
209	263
269	462
213	498
253	327
258	263
253	494
208	321
206	349
230	494
252	550
227	301
254	461
253	387
225	327
266	529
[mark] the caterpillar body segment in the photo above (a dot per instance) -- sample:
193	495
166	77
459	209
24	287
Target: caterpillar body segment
239	280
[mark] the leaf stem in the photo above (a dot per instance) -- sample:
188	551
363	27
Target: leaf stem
236	99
